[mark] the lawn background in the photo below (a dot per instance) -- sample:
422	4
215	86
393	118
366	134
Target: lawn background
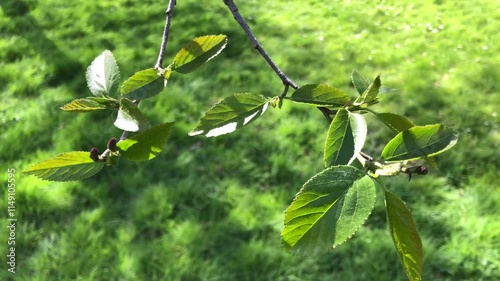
212	209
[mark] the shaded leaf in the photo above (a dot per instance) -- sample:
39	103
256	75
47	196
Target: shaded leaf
143	84
230	114
328	210
339	146
107	102
395	122
82	105
370	94
146	144
419	142
359	131
130	118
69	166
320	95
197	52
359	82
103	75
405	236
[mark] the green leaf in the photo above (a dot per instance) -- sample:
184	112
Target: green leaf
230	114
143	84
419	142
370	94
339	146
69	166
82	105
320	95
359	82
107	102
197	52
130	118
328	210
103	75
405	236
359	131
395	122
146	144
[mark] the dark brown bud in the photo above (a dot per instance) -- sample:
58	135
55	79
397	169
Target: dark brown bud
94	154
112	144
422	170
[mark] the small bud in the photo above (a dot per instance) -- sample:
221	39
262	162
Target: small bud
112	144
94	154
422	170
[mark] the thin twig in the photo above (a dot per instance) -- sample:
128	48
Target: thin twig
166	31
237	16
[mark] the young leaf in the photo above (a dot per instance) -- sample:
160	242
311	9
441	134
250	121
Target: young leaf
359	131
143	84
419	142
103	75
197	52
230	114
395	122
146	144
359	82
339	146
370	94
130	118
320	95
405	236
328	210
69	166
82	105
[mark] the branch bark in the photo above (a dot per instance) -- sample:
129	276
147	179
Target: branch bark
166	30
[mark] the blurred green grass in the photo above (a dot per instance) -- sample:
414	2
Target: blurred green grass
211	209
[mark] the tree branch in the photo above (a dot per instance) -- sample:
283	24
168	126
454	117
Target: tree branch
166	31
286	81
237	16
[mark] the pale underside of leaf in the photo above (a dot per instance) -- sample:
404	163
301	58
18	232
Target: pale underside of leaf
103	75
130	118
230	114
359	131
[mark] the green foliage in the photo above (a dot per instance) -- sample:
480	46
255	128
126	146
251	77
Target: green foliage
230	114
127	233
405	235
339	146
419	142
143	84
69	166
83	105
197	52
130	118
146	144
328	210
320	95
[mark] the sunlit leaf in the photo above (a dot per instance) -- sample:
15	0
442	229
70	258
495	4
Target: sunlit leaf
359	131
419	142
320	95
230	114
328	210
130	118
69	166
143	84
339	146
197	52
359	82
146	144
103	75
405	236
82	105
